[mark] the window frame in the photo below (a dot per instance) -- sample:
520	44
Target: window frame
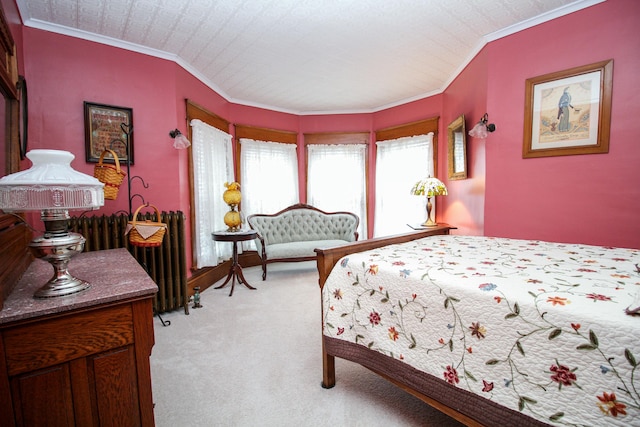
195	111
342	138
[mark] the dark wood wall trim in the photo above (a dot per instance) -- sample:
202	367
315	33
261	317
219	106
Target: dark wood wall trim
195	111
265	134
336	138
420	127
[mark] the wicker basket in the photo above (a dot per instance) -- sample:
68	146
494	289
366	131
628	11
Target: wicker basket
110	175
146	233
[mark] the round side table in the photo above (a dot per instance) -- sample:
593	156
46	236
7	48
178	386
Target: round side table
235	272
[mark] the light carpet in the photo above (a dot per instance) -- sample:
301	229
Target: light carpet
254	359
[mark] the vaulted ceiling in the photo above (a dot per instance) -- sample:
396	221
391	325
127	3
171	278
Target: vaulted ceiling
304	56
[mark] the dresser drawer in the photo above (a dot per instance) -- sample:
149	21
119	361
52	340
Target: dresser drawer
58	340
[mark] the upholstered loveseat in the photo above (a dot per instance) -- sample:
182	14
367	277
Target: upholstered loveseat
293	233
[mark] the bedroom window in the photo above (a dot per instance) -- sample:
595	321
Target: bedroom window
336	179
268	176
399	164
212	166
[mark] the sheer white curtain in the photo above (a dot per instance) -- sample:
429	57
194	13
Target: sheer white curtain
269	176
212	157
400	163
336	179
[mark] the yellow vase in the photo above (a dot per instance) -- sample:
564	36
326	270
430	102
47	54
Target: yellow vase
232	196
233	220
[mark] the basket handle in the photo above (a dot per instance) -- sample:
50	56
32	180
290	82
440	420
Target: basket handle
135	214
115	158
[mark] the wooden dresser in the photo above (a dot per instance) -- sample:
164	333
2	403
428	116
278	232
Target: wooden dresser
83	359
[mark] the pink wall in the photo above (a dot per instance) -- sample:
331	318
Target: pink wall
591	198
504	195
62	72
467	94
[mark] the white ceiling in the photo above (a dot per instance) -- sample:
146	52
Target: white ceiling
304	56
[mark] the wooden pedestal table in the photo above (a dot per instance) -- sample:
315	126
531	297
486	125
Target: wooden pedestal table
235	272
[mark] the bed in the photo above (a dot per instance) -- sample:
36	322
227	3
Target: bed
491	331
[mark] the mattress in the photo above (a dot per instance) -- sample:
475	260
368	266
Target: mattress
536	327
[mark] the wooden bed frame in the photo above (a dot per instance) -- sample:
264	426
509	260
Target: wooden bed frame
409	380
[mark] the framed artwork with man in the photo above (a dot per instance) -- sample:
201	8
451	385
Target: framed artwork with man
568	112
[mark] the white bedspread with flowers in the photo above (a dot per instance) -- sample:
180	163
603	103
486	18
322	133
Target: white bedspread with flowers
535	326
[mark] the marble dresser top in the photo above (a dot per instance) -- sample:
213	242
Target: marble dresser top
114	275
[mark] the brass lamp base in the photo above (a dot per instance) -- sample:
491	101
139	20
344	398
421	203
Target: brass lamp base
429	222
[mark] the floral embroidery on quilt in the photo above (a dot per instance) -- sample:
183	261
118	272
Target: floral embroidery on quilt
535	326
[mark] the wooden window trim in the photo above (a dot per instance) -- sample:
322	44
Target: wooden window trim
265	134
195	111
261	134
420	127
337	138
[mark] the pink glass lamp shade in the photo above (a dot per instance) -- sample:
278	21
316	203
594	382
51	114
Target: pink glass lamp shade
482	128
179	140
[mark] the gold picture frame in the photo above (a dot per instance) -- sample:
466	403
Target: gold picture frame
568	112
457	144
106	127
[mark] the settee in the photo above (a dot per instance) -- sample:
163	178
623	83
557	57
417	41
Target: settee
293	233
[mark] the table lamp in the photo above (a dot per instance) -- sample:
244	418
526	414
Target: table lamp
53	187
429	187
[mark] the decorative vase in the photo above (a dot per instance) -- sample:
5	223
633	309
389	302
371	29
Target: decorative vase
232	196
233	219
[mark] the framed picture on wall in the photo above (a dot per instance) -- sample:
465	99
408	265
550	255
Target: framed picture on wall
568	112
108	127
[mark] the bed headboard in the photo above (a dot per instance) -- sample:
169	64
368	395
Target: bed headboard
15	256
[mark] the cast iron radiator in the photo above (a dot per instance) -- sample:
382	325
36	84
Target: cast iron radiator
166	264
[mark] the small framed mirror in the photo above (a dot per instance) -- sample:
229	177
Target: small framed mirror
457	138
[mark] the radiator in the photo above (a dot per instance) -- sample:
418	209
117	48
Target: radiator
166	264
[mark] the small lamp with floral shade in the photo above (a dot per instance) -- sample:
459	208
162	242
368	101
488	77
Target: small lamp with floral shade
429	187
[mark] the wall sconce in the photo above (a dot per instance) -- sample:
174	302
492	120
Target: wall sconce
53	187
481	128
179	140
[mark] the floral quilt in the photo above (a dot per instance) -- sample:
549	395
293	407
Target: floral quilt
535	326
